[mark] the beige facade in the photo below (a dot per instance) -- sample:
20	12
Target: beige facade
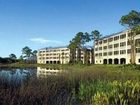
58	55
115	49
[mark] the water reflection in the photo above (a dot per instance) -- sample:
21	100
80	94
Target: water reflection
16	76
19	76
44	72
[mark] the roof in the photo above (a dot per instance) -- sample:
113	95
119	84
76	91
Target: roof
87	47
53	47
113	34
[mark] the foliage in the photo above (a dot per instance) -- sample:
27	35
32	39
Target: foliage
87	85
95	35
132	22
76	44
102	92
12	56
7	60
27	52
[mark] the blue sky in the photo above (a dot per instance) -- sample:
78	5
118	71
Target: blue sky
43	23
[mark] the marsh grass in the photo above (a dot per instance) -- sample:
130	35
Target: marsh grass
82	85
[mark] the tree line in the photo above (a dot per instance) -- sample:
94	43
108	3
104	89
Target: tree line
28	56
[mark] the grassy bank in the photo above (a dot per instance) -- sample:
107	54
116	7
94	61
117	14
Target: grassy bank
26	65
83	85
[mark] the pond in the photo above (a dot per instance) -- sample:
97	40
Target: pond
18	75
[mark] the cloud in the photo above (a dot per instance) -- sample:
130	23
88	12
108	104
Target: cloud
45	41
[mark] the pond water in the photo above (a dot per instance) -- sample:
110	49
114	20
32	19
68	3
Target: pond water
18	76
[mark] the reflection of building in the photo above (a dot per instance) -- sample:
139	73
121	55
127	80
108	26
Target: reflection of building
59	55
115	49
43	72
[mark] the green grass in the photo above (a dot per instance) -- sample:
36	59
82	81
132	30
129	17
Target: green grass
83	85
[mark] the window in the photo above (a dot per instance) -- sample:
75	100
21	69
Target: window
105	47
116	52
100	54
116	45
100	42
123	36
96	49
122	44
110	39
96	54
109	53
105	41
137	50
100	48
116	38
128	51
137	41
122	51
110	46
105	53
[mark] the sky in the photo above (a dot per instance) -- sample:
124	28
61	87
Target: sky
46	23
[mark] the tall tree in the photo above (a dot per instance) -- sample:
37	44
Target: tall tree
27	52
76	45
12	56
132	23
34	53
95	36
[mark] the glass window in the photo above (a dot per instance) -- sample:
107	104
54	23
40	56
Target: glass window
96	49
123	36
128	51
137	50
109	53
116	38
116	45
122	51
137	41
122	44
100	48
105	41
110	39
96	54
100	54
105	47
105	53
116	52
110	46
100	42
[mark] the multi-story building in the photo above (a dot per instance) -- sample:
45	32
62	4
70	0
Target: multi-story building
115	49
44	72
59	55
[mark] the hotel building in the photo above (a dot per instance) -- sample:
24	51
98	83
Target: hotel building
115	49
59	55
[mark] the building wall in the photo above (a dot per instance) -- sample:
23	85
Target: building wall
115	49
58	55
